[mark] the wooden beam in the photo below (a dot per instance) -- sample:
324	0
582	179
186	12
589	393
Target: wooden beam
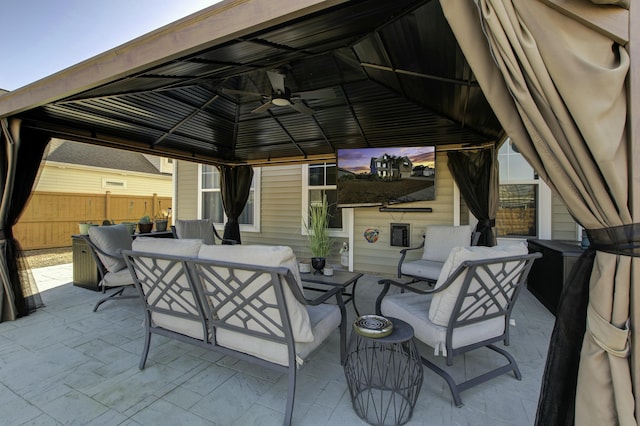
607	19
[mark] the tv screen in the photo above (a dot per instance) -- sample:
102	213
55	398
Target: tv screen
382	176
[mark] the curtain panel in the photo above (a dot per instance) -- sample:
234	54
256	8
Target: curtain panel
558	88
235	186
22	150
476	174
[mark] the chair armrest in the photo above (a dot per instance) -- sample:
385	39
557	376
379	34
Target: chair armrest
403	253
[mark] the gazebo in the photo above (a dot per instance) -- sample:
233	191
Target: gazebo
264	82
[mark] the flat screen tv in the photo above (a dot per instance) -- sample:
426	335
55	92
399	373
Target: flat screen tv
385	176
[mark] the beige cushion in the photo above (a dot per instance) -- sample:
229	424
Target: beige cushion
324	319
414	309
117	279
112	240
179	298
200	228
427	269
440	239
444	301
274	256
170	246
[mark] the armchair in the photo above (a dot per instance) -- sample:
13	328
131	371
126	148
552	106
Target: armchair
438	241
106	244
203	229
468	309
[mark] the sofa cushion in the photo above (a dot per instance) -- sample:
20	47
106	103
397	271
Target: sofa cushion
111	240
179	298
200	229
440	239
170	246
273	256
443	302
324	318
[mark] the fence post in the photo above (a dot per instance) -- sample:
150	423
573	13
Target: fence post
107	205
155	205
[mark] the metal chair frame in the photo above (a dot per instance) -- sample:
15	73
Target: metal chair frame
476	304
214	296
103	271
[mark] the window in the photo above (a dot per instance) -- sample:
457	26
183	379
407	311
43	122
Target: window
518	206
319	179
211	199
110	183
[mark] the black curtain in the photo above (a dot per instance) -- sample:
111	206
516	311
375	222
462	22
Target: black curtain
235	186
23	149
475	175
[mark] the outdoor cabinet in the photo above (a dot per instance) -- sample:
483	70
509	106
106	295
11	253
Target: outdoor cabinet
550	273
85	270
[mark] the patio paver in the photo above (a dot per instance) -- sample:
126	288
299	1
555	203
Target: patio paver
68	365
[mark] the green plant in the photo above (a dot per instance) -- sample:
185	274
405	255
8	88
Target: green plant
318	228
145	220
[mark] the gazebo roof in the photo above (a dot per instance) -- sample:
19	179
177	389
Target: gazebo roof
390	74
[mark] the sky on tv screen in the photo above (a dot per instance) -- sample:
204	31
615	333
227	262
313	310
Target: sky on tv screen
358	160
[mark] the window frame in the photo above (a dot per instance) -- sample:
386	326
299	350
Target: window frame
346	220
257	177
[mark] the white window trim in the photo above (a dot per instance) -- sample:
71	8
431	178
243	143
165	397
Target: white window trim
257	177
346	213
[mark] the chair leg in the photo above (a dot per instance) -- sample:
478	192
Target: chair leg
291	394
456	388
145	350
383	293
105	299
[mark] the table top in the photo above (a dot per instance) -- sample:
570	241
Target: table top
402	332
339	278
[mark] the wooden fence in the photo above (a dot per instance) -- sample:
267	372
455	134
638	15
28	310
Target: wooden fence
51	218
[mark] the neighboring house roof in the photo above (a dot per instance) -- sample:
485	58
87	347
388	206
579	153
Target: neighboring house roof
100	156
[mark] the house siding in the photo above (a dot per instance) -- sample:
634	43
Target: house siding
59	177
563	227
186	197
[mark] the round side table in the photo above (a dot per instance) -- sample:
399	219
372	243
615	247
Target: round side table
384	375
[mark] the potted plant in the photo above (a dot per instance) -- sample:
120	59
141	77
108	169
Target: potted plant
84	227
318	233
161	219
145	225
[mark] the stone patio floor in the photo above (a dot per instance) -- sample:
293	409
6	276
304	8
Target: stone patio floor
66	365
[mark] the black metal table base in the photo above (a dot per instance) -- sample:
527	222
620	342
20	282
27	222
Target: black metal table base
384	375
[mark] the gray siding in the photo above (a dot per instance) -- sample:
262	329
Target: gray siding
186	190
563	227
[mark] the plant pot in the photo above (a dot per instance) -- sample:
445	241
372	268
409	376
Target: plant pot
161	225
84	227
318	264
145	228
131	226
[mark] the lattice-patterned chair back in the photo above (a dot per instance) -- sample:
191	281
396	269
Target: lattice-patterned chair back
469	307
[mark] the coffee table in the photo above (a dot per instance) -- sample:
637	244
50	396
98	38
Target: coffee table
344	279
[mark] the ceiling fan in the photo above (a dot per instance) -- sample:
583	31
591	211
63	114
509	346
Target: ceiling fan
282	95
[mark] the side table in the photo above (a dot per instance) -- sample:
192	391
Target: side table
384	375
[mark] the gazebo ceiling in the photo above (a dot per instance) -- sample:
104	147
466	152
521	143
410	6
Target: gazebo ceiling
396	72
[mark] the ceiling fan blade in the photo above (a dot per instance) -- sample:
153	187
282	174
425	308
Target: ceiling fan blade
328	93
277	81
262	108
300	107
241	92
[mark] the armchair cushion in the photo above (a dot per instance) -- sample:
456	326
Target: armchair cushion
428	269
111	240
201	229
174	247
443	302
274	256
414	309
440	239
